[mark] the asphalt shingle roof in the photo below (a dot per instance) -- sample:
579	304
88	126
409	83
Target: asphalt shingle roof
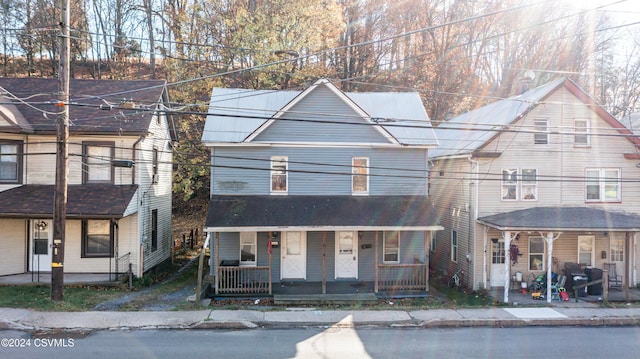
271	212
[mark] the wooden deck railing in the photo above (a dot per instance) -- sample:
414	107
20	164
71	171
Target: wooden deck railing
402	276
243	280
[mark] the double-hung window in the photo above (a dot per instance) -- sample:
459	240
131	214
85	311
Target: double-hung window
97	162
97	238
519	184
248	249
360	175
586	253
541	134
602	185
581	137
10	162
391	247
279	174
536	253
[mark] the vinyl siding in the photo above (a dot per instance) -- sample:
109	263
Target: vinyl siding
13	251
340	122
324	171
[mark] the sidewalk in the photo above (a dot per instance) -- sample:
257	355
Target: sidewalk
22	319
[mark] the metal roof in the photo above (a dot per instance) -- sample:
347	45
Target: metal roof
263	213
234	114
563	219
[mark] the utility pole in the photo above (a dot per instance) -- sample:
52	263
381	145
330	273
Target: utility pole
62	158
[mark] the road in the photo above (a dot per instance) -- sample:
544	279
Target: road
527	342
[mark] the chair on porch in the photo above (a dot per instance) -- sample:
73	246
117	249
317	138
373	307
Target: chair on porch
615	280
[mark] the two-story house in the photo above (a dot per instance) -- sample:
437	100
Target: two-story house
532	183
318	186
119	176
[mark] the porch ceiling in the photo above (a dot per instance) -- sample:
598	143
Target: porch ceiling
83	201
563	219
264	213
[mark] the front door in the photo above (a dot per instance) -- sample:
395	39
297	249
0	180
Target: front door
617	253
497	263
41	239
294	255
346	255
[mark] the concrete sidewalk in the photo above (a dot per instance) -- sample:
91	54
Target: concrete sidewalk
22	319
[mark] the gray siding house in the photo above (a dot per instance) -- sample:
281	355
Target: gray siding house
318	186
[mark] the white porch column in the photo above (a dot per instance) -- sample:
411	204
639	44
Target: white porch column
484	257
549	237
507	263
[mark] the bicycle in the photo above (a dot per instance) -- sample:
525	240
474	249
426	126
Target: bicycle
455	280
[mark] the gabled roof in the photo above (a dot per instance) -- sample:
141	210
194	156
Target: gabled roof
34	100
563	219
84	201
471	131
236	115
274	213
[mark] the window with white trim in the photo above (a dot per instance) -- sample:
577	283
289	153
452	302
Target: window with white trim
391	247
582	133
536	253
497	251
520	184
360	175
586	253
454	246
602	185
617	250
248	248
10	162
279	174
541	135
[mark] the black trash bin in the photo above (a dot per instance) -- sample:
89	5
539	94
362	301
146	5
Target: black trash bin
594	274
580	280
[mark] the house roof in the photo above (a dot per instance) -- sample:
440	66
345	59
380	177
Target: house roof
235	114
83	201
34	100
274	213
471	131
563	219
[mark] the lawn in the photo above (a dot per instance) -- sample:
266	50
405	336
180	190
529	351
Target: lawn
78	298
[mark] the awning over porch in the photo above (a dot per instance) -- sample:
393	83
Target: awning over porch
83	201
274	213
560	219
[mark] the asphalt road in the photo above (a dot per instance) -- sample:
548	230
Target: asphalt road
528	342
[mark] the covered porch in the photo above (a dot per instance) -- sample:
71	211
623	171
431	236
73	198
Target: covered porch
377	243
573	242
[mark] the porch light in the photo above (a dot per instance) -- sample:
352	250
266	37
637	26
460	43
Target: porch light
494	240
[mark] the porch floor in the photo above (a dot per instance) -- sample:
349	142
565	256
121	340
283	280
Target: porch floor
43	278
615	295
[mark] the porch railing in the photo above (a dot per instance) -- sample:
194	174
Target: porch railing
402	276
243	280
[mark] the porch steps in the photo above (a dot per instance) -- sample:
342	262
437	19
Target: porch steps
315	299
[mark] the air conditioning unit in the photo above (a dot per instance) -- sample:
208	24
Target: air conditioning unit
155	178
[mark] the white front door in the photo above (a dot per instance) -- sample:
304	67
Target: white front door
41	243
617	253
497	264
346	255
294	255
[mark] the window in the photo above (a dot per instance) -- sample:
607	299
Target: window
154	230
602	185
510	184
97	240
279	166
10	162
454	246
581	137
536	253
585	250
391	247
248	249
497	251
541	135
617	250
360	175
526	188
97	162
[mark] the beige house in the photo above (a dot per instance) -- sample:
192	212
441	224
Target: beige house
534	184
119	181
